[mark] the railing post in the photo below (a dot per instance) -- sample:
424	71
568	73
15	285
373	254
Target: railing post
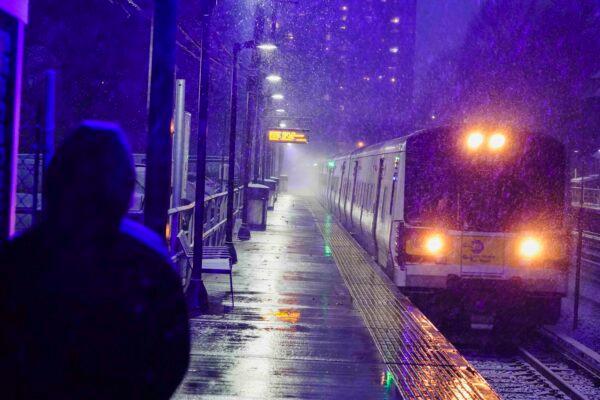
579	250
231	167
198	294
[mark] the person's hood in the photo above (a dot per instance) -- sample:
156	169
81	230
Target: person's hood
90	180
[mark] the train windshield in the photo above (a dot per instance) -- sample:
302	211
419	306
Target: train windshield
525	190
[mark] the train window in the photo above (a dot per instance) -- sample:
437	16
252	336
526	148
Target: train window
446	190
363	194
360	193
393	195
394	180
381	214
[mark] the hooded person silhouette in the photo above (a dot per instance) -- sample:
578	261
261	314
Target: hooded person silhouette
90	306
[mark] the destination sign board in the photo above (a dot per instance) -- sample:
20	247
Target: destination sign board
288	136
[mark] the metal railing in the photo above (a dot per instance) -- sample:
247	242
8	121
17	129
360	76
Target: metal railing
181	219
591	197
181	222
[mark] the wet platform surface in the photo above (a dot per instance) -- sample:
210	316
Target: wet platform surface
315	319
294	332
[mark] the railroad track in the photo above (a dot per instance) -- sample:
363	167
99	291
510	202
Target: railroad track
540	369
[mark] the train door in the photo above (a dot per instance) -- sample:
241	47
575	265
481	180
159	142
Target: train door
346	194
329	186
339	199
353	197
376	209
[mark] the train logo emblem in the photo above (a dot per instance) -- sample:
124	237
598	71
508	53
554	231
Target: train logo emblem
477	246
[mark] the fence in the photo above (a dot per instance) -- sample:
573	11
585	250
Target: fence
29	197
181	222
591	197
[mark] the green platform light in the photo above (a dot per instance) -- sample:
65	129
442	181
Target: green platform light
331	164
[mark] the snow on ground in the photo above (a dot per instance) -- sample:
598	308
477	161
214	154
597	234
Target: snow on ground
588	330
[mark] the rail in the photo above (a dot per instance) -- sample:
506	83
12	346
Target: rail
591	197
181	219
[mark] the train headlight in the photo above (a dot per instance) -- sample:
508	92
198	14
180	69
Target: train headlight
475	140
530	247
434	244
496	141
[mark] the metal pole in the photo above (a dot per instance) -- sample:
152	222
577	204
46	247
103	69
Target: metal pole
231	164
252	88
49	124
178	156
186	153
198	293
579	250
160	112
257	139
36	168
244	231
49	116
178	151
280	159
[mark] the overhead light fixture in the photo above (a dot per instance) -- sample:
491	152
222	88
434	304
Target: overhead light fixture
277	96
267	47
274	78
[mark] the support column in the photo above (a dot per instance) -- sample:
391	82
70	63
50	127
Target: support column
160	112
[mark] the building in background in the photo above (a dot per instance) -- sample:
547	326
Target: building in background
356	65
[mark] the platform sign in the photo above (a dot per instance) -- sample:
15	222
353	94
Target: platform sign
297	136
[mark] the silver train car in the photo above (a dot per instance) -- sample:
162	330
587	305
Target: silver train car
467	222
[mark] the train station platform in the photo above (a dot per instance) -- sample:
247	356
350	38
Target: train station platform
315	319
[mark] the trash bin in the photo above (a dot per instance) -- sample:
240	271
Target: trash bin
258	197
283	183
272	185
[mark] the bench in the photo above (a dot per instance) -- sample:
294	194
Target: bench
215	259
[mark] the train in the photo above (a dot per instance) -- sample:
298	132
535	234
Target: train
468	222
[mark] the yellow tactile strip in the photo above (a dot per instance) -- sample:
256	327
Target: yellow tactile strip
423	363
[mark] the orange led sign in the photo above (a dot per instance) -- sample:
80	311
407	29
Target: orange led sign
288	136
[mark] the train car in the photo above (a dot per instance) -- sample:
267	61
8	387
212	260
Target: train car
467	222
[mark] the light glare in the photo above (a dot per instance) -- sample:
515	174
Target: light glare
530	247
434	244
274	78
475	140
277	96
497	141
267	47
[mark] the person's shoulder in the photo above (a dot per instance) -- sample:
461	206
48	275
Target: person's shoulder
144	237
147	248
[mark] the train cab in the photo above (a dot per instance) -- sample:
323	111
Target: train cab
462	216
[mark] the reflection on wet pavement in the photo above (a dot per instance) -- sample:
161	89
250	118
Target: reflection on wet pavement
293	333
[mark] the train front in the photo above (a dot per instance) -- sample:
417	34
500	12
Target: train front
482	239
